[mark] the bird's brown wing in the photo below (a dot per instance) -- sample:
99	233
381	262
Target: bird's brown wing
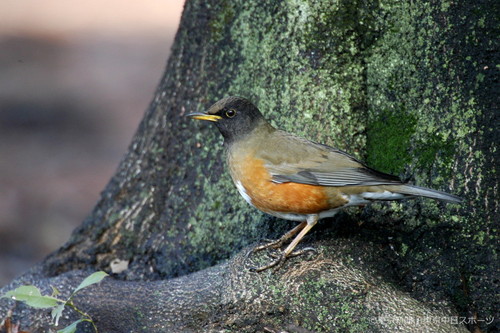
293	159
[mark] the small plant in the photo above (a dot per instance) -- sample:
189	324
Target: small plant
32	296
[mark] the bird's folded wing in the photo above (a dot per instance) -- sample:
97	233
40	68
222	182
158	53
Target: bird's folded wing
307	162
341	177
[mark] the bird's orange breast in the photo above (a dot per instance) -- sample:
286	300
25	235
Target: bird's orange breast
252	175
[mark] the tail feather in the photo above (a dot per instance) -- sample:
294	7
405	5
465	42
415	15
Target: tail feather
428	193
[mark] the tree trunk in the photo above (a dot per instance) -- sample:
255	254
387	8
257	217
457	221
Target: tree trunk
410	87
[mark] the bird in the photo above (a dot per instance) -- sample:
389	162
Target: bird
296	179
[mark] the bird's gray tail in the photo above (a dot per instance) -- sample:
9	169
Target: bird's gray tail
418	191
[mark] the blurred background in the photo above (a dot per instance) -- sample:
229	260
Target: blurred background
75	80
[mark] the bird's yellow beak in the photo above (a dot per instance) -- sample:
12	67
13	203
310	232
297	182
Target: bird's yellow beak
204	116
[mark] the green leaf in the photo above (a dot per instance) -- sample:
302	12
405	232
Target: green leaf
71	328
91	279
32	296
57	313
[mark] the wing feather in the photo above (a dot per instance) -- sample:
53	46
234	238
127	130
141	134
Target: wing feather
307	162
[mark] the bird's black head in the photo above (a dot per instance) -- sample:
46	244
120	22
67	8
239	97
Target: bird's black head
235	117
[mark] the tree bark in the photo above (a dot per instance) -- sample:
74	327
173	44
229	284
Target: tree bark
408	86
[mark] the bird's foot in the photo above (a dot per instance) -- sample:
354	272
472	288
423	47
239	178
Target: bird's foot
269	243
276	263
279	259
301	252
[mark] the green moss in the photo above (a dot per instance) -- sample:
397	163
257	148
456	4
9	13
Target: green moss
325	308
434	149
219	23
388	141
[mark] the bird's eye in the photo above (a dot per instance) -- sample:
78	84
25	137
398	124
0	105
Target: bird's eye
230	113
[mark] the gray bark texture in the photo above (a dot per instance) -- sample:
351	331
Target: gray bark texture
410	87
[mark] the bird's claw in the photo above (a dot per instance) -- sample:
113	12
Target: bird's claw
270	243
279	259
277	263
301	252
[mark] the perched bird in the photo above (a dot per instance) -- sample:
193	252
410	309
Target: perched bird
296	179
